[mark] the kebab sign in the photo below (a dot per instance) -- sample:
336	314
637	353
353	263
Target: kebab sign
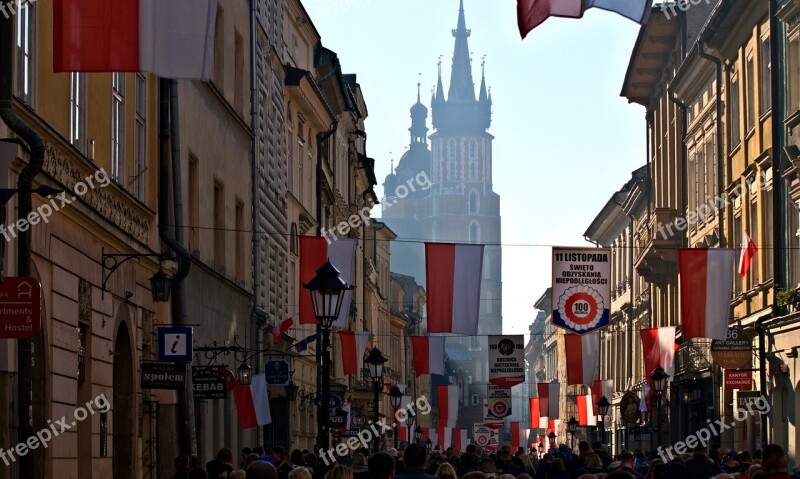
581	288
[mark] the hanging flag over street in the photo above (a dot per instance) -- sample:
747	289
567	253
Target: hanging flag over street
706	282
581	288
279	329
658	347
447	397
586	415
582	355
519	436
532	13
354	345
453	276
428	354
748	251
602	388
549	396
252	402
507	360
314	252
534	412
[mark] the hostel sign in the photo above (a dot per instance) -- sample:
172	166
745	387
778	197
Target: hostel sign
581	288
20	307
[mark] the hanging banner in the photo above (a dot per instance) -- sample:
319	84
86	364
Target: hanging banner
497	405
581	288
485	437
506	360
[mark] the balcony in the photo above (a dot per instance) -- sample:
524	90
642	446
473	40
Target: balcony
693	356
657	244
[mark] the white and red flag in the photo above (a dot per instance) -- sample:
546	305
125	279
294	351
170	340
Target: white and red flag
428	354
252	402
658	348
314	252
453	279
602	388
745	257
447	397
552	425
531	13
354	344
534	412
445	435
548	399
644	401
460	441
586	415
519	436
168	38
282	327
582	351
706	282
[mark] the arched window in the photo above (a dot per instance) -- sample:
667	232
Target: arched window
474	232
473	170
451	149
473	149
473	202
451	169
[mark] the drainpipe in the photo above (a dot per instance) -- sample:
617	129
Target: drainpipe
169	132
720	148
24	207
256	179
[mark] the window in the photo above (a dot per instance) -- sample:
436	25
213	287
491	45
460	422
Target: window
692	180
118	127
219	226
77	110
473	149
768	234
219	49
238	74
765	75
473	202
711	168
487	266
473	170
754	234
736	134
239	247
474	232
751	93
140	139
26	23
301	158
193	206
794	73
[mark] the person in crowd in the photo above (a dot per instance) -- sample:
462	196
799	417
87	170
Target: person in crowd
700	466
300	473
676	469
640	463
475	475
558	470
435	461
225	456
381	466
587	476
526	465
360	466
182	466
469	461
627	464
446	471
745	460
505	476
489	467
261	470
591	465
262	455
524	476
312	462
246	451
656	469
296	458
281	460
238	474
339	472
216	469
774	463
621	474
601	451
414	458
252	457
198	473
506	466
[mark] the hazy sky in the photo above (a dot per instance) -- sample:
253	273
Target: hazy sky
565	139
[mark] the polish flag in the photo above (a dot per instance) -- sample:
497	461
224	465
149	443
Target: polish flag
658	347
173	39
582	352
279	329
519	436
748	251
644	401
552	426
706	283
549	399
354	344
532	13
428	354
430	433
586	416
445	435
447	397
460	440
602	388
252	402
314	252
453	277
534	412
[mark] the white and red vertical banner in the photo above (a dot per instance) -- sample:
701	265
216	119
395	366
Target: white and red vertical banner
453	279
644	400
252	402
282	327
549	397
519	436
748	251
534	412
445	435
430	433
498	404
460	440
586	415
706	282
447	396
602	388
552	425
354	344
314	252
428	354
507	360
582	352
658	348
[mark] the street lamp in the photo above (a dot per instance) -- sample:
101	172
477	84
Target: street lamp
359	420
552	437
418	435
375	361
659	378
327	292
428	445
572	427
602	408
291	391
395	396
244	373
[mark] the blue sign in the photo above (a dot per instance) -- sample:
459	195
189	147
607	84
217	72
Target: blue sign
175	344
277	372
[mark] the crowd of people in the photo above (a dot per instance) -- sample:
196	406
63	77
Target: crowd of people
414	461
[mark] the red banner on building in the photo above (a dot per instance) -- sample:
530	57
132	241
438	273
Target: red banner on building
738	379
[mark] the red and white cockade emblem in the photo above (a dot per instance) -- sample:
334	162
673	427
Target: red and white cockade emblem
581	307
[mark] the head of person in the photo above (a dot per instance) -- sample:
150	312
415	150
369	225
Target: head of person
300	473
593	461
278	454
471	449
238	474
359	460
700	450
381	466
261	470
487	466
198	473
225	456
339	472
246	452
626	459
415	456
183	463
446	471
216	468
475	475
583	447
744	457
392	452
296	458
773	459
258	450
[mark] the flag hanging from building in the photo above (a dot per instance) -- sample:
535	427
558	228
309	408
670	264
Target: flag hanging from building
552	425
354	344
430	433
581	289
460	440
534	412
314	252
302	345
532	13
549	396
644	400
519	436
428	354
172	39
447	397
582	352
586	415
602	388
445	435
658	348
706	282
748	251
453	279
252	402
279	329
507	360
